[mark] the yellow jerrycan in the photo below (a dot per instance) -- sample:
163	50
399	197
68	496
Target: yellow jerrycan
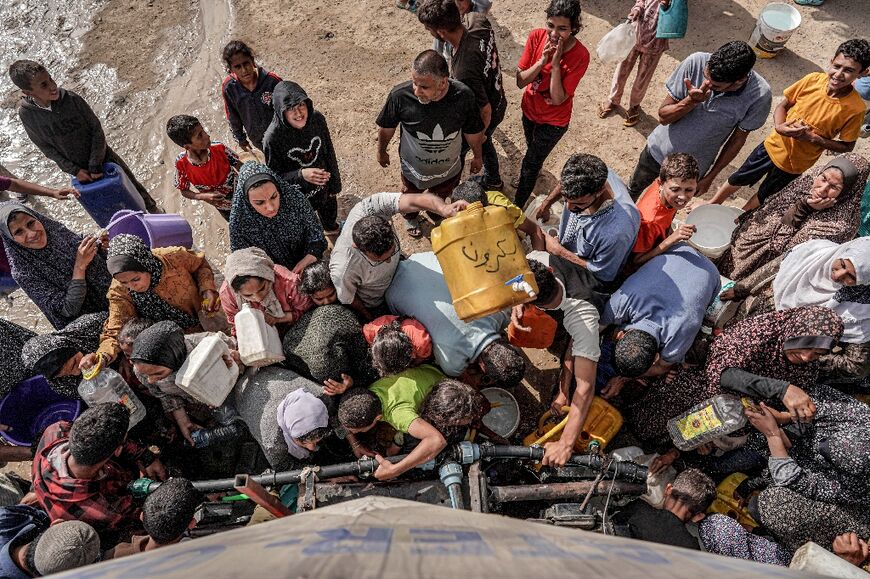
483	261
726	503
602	423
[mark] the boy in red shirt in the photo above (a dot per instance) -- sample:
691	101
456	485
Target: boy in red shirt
549	90
205	169
677	183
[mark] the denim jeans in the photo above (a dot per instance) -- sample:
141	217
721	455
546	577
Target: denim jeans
540	140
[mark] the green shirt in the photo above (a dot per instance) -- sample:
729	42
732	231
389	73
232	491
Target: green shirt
401	395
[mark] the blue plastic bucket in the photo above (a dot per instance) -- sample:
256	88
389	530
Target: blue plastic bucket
30	407
105	197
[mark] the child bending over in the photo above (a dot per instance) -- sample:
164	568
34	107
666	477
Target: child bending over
167	515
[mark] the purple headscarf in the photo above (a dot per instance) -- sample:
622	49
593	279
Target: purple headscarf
298	414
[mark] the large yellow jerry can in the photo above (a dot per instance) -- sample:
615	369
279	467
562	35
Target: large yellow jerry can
726	503
483	261
602	423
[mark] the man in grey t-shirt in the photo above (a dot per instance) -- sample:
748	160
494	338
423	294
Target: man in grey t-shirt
714	101
367	252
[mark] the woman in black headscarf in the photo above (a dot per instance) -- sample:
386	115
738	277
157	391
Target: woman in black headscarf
275	216
164	284
57	355
158	354
63	272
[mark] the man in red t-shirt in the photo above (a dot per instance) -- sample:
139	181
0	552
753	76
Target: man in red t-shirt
549	90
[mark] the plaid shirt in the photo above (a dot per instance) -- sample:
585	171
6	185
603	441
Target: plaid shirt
103	502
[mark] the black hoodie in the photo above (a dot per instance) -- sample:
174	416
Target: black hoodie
70	134
289	150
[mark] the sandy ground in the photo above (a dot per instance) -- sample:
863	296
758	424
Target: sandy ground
348	54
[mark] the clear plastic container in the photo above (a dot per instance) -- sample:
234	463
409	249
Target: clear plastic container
108	386
259	342
711	419
204	374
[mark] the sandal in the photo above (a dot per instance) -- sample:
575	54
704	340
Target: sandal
633	117
605	111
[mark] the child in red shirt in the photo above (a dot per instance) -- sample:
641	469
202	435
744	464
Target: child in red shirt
397	343
549	90
677	183
205	171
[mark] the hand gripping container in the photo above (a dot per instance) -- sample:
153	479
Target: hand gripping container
106	196
102	384
603	422
711	419
204	375
259	342
483	261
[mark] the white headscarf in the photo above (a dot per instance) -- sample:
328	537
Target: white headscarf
804	279
253	261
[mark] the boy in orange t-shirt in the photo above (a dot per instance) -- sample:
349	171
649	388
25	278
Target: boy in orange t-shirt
677	183
818	108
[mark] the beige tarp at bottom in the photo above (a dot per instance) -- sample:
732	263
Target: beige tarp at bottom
386	537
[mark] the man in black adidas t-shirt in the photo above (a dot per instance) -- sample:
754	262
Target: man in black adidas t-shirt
435	113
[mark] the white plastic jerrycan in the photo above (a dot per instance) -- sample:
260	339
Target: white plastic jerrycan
204	375
259	342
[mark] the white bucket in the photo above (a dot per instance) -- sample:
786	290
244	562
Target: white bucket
550	226
775	25
715	224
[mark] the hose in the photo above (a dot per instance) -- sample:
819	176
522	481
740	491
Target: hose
622	470
366	465
362	466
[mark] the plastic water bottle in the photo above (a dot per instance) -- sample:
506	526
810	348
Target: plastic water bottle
212	436
106	385
711	419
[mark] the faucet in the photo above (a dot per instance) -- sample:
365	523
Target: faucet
518	284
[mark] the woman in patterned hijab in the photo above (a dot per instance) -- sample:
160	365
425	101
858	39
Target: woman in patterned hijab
57	355
779	351
65	277
824	470
275	216
164	284
793	216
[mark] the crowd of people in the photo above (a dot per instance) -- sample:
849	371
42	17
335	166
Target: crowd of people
377	361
